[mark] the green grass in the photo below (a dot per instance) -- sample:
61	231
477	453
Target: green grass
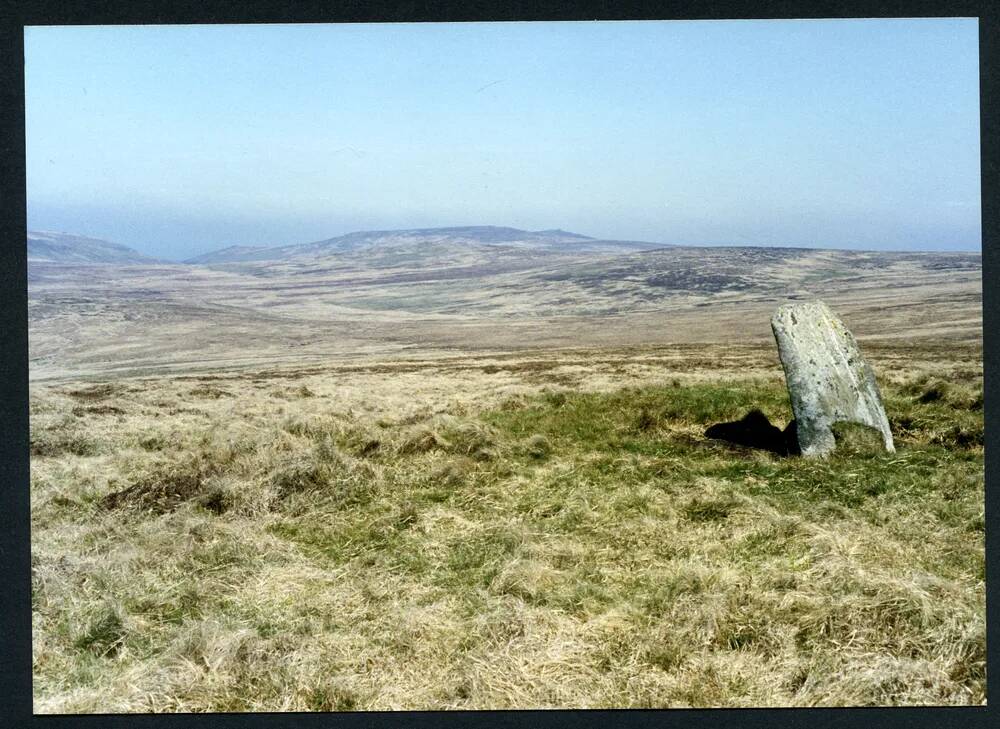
569	548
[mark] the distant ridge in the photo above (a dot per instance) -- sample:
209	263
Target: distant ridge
232	253
50	247
472	236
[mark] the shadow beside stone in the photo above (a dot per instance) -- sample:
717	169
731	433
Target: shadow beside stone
754	430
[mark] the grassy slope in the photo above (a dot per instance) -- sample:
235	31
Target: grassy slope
555	547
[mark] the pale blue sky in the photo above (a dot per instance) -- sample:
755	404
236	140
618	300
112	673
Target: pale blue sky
181	139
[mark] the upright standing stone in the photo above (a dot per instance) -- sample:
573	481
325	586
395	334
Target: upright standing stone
828	379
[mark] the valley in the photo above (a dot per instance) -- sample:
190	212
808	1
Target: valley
445	294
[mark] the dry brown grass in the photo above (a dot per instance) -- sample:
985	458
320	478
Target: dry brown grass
501	532
105	321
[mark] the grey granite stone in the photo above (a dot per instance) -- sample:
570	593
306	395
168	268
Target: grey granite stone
828	379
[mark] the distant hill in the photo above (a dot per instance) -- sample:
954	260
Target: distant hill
432	238
232	254
67	248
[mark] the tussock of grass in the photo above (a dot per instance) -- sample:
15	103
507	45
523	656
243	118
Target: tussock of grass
421	439
71	440
538	446
855	439
561	548
364	441
713	508
95	392
171	484
963	392
207	391
81	412
105	632
298	473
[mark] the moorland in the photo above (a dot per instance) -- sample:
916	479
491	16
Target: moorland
467	468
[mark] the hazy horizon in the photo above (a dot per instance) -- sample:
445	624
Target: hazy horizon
180	140
41	231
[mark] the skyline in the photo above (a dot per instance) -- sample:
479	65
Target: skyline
177	140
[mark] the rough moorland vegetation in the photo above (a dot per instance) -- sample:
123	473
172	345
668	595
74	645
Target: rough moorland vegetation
503	539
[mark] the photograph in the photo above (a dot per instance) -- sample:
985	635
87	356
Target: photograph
460	366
